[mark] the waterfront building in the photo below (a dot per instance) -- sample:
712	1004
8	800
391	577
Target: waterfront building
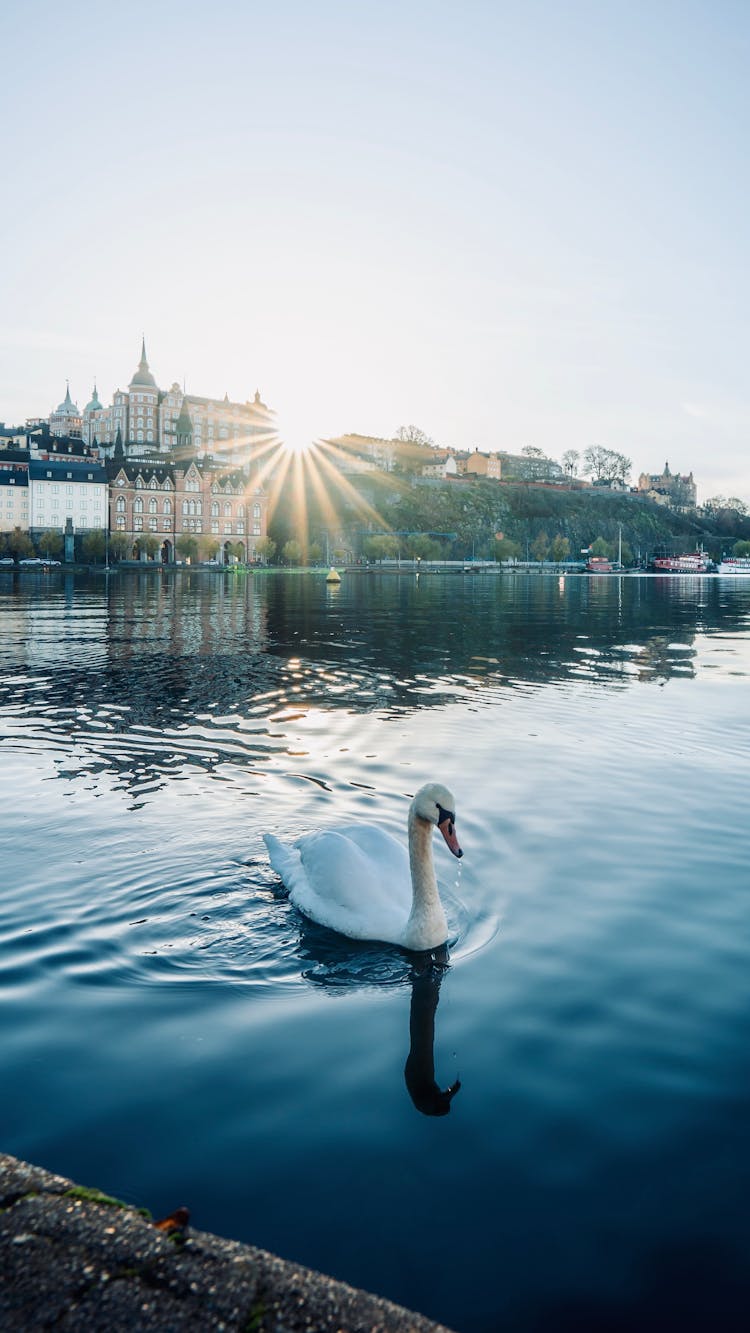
66	486
154	502
14	494
146	418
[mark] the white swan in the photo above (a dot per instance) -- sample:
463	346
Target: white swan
360	881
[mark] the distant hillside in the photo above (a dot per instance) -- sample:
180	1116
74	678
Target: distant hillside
476	510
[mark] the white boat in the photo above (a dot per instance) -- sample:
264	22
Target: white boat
736	564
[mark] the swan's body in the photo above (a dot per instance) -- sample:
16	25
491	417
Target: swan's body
361	882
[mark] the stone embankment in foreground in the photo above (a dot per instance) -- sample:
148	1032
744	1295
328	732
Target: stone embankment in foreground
70	1258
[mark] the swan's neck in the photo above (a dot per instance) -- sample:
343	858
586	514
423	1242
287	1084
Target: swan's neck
427	926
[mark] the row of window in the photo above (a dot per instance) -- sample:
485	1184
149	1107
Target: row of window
188	507
55	488
190	525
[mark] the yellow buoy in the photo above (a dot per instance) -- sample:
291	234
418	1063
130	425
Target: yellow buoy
333	576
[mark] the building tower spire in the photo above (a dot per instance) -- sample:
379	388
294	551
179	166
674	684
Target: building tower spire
143	377
183	429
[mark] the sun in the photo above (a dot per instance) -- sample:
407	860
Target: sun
295	441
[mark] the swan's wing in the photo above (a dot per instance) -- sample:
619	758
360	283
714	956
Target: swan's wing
355	881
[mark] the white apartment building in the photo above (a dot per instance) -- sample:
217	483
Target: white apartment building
67	488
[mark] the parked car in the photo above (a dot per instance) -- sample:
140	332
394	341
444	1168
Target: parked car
7	560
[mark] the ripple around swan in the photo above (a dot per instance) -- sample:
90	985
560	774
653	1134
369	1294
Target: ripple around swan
240	931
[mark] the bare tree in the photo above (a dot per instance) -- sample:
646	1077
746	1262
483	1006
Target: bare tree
414	435
606	465
570	461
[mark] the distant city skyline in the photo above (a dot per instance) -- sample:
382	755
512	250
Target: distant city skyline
511	224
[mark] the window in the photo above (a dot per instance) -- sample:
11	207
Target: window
185	509
166	524
152	506
153	524
227	510
214	509
120	506
138	524
167	506
138	506
139	483
121	522
153	485
256	511
215	525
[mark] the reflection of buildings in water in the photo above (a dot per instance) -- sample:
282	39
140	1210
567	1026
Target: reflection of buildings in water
660	658
155	670
140	672
191	615
37	635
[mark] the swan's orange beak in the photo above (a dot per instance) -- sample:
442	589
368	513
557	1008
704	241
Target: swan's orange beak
448	830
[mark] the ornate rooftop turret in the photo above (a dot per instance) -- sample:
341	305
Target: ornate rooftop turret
94	405
143	377
67	406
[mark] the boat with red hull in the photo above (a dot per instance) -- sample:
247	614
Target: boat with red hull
696	562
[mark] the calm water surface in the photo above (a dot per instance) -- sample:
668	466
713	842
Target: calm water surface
174	1032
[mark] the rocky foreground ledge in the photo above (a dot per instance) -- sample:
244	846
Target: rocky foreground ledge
73	1258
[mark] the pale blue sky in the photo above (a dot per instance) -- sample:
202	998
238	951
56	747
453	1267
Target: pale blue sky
511	223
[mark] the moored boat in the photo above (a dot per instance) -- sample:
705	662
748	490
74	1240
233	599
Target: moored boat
599	564
735	564
696	562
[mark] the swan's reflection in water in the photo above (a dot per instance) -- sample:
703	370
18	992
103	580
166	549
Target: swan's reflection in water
337	964
419	1070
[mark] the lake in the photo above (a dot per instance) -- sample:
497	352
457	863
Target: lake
174	1032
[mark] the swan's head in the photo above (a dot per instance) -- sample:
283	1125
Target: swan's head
436	804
